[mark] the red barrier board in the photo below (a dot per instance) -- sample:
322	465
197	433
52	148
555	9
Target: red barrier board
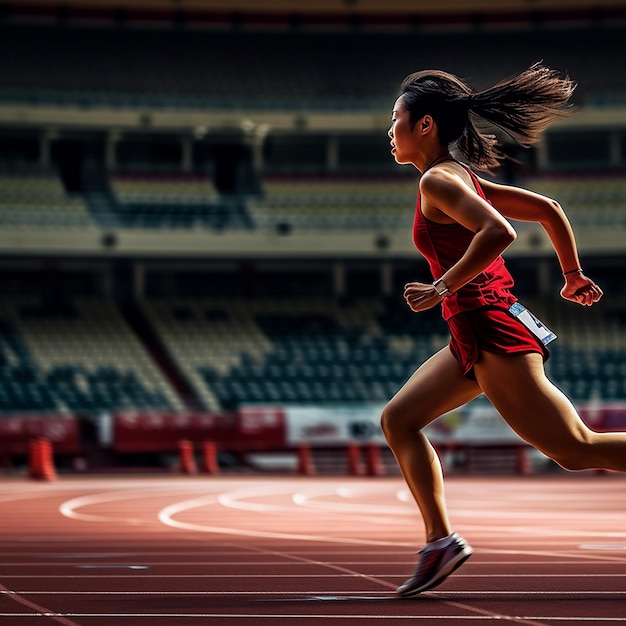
262	427
16	433
161	432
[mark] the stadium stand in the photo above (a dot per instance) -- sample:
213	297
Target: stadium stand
174	200
289	351
256	70
35	198
32	197
76	356
592	200
239	340
330	202
324	351
82	357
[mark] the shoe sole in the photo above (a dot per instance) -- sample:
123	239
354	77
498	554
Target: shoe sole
441	575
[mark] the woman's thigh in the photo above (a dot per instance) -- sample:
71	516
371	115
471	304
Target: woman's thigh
535	409
436	387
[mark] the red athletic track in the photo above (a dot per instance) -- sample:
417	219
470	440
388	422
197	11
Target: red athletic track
247	551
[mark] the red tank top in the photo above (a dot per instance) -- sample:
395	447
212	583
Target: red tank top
442	245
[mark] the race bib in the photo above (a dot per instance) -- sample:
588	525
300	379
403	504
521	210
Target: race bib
534	325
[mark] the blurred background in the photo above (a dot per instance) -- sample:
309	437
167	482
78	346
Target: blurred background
204	236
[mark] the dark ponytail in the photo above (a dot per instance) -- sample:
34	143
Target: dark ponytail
522	106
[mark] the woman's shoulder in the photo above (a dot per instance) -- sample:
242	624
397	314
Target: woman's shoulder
447	177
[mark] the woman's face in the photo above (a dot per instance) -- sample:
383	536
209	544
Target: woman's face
402	135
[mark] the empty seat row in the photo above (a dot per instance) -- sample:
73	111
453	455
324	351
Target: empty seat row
83	356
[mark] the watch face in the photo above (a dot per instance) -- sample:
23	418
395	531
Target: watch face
440	287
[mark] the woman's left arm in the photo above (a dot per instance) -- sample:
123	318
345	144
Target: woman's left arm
521	204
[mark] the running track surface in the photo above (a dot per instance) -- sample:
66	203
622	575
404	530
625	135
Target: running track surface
266	550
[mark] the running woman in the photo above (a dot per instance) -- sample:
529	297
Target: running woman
496	346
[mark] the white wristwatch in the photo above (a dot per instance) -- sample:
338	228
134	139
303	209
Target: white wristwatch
441	288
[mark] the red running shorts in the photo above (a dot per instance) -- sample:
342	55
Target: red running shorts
492	329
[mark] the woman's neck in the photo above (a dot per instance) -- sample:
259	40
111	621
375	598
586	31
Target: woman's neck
436	160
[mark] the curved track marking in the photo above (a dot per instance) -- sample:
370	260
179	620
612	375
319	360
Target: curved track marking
68	508
233	499
166	517
308	499
342	503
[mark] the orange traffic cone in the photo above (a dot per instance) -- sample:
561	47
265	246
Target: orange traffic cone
187	461
211	466
305	460
372	456
355	467
41	460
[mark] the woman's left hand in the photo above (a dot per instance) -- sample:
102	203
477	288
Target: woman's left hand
578	288
421	296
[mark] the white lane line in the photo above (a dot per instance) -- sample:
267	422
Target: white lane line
577	556
280	564
16	597
246	594
532	531
233	499
294	575
166	517
542	576
190	576
256	616
530	619
443	594
310	500
69	508
235	563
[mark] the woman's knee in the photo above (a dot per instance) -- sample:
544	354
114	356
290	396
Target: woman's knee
395	423
578	454
388	421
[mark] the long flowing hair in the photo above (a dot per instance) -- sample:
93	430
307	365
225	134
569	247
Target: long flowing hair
522	106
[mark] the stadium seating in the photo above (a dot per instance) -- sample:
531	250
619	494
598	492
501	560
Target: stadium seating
35	198
173	200
300	351
331	202
334	70
32	197
73	357
81	356
598	200
335	202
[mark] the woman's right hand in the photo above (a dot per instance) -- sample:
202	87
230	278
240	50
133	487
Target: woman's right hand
421	296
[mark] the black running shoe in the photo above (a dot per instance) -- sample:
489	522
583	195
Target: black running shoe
435	565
